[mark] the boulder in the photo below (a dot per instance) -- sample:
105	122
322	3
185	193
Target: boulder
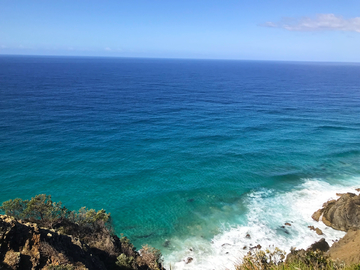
188	260
297	255
316	216
321	245
342	214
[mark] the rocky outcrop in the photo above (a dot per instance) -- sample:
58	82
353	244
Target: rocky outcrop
321	245
342	214
24	245
297	255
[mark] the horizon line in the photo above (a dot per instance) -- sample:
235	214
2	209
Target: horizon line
173	58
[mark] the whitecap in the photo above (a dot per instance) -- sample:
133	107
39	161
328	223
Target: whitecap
268	212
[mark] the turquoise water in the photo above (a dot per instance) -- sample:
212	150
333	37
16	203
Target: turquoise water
178	149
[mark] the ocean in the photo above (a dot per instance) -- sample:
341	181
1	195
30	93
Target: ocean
199	158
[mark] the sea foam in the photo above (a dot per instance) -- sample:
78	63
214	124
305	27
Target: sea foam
268	212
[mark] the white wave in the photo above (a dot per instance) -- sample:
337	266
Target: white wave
269	210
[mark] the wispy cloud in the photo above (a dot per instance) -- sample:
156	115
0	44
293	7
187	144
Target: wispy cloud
321	22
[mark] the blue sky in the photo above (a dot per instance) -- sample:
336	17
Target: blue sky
316	30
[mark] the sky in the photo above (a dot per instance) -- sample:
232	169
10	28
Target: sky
285	30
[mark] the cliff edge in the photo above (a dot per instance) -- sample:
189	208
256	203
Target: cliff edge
343	214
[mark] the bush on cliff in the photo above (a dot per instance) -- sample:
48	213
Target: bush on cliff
41	209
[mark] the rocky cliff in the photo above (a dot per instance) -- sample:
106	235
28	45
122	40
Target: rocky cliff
25	245
343	214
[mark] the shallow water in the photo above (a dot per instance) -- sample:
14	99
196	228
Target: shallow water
185	154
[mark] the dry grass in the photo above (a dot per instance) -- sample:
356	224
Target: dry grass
52	254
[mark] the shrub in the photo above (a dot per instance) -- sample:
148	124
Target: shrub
14	208
296	260
41	209
125	262
262	260
86	217
151	257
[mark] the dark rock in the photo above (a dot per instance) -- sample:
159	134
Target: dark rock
321	245
248	236
303	255
287	224
188	260
256	247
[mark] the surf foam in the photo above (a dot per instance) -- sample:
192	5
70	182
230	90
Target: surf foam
269	210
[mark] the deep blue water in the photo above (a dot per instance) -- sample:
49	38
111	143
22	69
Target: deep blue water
167	145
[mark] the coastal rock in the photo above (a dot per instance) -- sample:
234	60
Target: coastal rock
256	247
347	248
287	224
321	245
316	216
188	260
297	255
12	259
342	214
25	246
317	230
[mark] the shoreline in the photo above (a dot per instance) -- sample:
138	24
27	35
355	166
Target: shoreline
229	246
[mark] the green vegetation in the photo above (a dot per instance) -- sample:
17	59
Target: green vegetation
42	210
125	262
